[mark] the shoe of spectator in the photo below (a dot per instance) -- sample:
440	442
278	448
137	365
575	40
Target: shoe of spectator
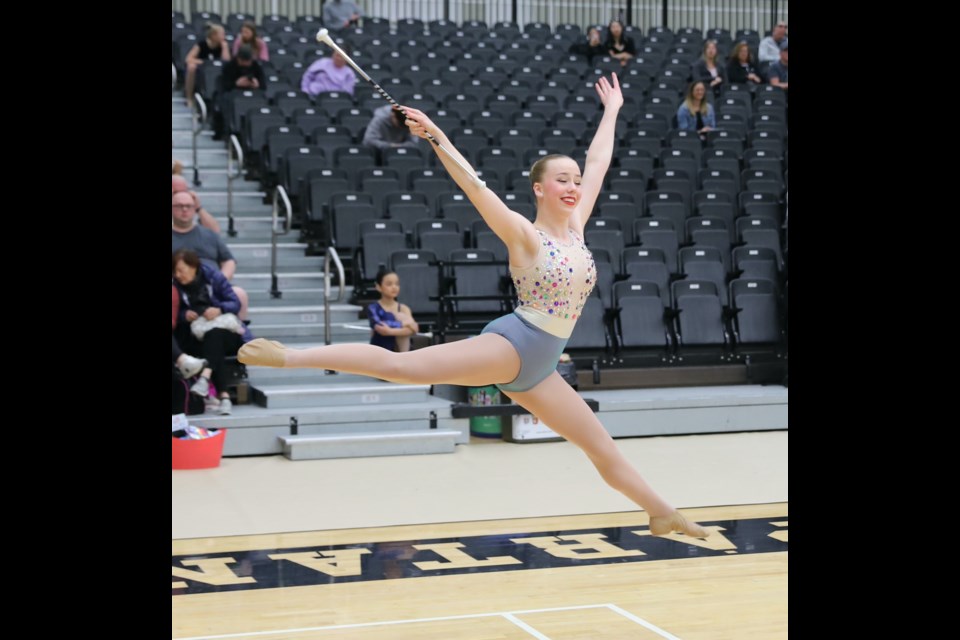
225	406
201	387
191	366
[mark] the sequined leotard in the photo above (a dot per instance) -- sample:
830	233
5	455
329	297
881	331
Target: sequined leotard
551	293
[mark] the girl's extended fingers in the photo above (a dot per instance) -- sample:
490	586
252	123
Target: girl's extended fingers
616	81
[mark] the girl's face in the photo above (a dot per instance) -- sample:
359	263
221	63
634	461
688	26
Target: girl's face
390	287
184	273
711	51
560	187
743	54
615	29
698	91
246	33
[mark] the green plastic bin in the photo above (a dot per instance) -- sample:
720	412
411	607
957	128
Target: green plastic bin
485	426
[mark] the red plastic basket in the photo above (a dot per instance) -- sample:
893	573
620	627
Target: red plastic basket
198	454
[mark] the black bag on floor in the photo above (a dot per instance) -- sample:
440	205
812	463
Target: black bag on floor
183	401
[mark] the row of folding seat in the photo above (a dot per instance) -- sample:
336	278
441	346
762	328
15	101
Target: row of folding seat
695	311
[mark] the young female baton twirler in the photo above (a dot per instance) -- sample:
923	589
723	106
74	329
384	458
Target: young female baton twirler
553	272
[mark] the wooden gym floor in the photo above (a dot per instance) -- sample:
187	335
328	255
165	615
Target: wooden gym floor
592	576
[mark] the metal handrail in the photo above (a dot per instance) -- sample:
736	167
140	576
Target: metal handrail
174	68
199	119
278	194
330	253
234	146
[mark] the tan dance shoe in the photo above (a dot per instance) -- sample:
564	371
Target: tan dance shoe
664	525
262	353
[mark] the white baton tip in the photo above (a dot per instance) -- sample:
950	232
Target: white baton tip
321	35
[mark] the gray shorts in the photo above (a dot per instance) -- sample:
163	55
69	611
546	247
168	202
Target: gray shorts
539	351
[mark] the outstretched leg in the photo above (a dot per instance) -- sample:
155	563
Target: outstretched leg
556	403
474	362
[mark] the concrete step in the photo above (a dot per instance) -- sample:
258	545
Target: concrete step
671	411
246	416
207	157
307	314
286	281
183	143
254	229
349	445
254	430
307	331
214	179
290	255
262	297
329	395
356	331
246	202
181	121
279	377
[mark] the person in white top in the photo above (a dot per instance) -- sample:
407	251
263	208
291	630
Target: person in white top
771	45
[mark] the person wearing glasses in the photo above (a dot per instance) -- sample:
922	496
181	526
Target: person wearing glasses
211	248
771	45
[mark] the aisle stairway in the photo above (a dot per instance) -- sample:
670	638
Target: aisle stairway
336	415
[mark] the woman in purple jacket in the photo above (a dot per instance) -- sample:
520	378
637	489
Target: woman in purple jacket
205	292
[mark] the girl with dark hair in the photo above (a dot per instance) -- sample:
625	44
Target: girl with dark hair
391	323
618	44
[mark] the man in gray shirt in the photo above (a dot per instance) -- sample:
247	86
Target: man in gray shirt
771	45
211	248
386	130
778	71
340	14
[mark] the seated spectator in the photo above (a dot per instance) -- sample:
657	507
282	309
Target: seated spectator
695	113
329	74
740	68
771	45
340	14
204	217
187	365
386	130
592	47
241	73
177	167
187	234
777	73
707	69
392	323
213	47
619	45
248	36
205	295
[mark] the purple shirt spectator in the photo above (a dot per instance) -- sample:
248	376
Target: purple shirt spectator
326	75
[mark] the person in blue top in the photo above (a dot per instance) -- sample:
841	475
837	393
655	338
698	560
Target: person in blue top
554	273
695	113
391	323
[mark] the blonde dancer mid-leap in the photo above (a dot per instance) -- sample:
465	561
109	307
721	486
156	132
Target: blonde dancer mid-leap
553	272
